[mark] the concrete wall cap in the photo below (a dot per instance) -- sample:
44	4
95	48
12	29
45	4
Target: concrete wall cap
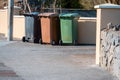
88	18
107	5
18	16
2	10
15	7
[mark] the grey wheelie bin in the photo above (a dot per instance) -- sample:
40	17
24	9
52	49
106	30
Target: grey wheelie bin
32	28
69	28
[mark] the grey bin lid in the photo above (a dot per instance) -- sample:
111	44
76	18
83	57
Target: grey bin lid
31	14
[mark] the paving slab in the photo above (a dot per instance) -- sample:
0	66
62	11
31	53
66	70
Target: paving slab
7	73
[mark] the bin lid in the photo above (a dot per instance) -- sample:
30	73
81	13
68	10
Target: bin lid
71	15
31	14
48	15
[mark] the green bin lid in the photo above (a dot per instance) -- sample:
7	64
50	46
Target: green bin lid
71	15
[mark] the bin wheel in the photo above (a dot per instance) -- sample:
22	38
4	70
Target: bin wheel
40	41
60	42
52	42
23	39
75	42
27	40
36	41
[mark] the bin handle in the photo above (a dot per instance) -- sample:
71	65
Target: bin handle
45	16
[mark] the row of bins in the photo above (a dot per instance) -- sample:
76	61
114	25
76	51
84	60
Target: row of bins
51	28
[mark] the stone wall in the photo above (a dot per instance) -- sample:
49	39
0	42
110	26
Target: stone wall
110	49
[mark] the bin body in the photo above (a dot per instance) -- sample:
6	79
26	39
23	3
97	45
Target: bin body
32	28
50	28
69	25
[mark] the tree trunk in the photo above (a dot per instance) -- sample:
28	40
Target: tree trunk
113	1
54	6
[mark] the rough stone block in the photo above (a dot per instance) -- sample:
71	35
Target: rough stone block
110	49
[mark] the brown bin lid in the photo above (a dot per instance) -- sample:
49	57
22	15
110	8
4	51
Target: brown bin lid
48	15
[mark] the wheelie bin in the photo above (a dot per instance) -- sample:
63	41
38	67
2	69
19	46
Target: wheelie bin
50	28
68	27
32	28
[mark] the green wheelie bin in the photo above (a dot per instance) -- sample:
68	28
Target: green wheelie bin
69	28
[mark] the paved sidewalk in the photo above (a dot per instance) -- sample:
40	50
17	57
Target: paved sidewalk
7	73
28	61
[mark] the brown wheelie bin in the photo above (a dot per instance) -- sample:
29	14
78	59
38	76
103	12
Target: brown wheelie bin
50	28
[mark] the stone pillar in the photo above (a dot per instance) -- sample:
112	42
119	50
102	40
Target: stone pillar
106	13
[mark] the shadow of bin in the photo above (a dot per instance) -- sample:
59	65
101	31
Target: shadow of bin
50	28
69	28
32	28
